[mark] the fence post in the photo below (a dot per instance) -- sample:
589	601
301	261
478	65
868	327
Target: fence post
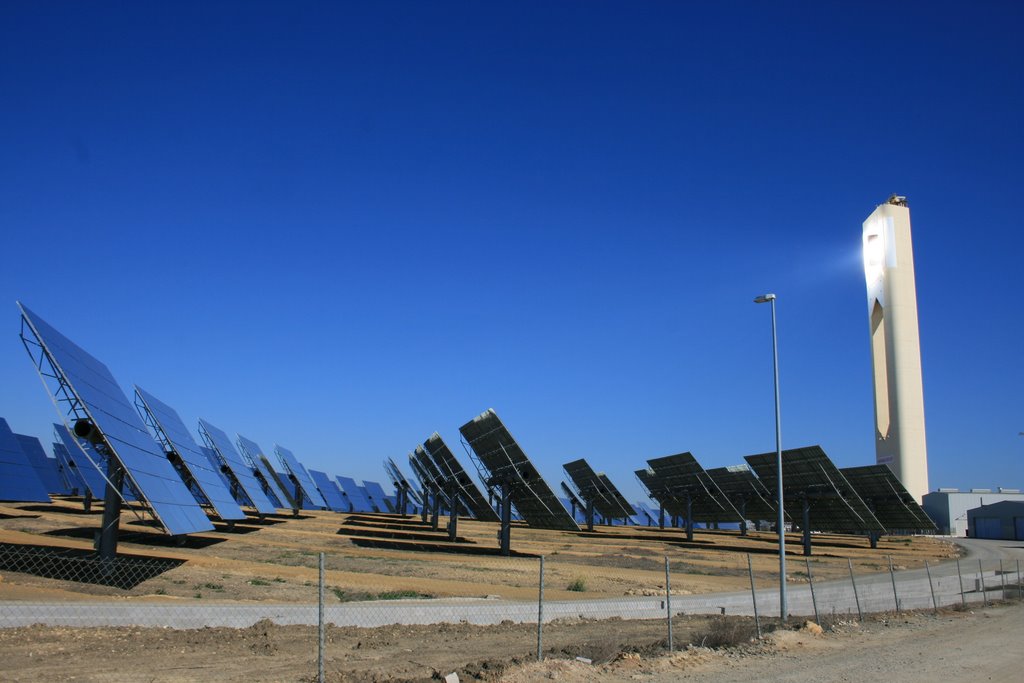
895	595
668	604
931	587
814	599
540	612
320	625
981	581
1020	594
856	597
1002	581
753	594
963	598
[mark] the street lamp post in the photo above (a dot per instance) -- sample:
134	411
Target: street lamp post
764	299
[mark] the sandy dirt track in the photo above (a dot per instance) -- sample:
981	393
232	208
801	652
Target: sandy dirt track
978	645
982	645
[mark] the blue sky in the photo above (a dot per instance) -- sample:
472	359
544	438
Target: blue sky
343	226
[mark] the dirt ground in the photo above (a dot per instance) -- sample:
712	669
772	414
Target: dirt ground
955	646
275	559
372	557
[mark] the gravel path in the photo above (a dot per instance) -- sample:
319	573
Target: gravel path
982	645
985	646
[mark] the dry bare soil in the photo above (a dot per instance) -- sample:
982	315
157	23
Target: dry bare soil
983	645
274	560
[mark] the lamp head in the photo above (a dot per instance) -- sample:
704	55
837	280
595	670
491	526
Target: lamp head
764	298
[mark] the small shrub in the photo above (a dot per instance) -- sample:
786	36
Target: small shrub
578	585
258	582
362	596
400	594
829	620
725	633
214	586
161	591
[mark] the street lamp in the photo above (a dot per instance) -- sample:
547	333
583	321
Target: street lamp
764	299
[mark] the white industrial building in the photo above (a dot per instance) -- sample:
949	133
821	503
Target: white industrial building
1004	521
948	507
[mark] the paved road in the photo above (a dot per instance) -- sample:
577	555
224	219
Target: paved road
991	550
873	593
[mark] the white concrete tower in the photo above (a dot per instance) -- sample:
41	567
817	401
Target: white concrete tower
895	345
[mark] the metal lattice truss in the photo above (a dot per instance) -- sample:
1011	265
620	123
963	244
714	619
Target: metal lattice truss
596	489
454	474
501	462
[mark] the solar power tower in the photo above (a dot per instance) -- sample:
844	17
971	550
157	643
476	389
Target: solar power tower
263	472
900	439
45	466
501	463
817	493
185	455
888	499
747	493
305	489
401	484
460	486
18	479
90	400
244	486
686	481
597	492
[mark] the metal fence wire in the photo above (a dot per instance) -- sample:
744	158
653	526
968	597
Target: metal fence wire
82	566
550	594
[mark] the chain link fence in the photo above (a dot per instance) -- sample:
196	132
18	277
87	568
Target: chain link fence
548	600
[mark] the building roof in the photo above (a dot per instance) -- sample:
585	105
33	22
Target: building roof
1004	507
